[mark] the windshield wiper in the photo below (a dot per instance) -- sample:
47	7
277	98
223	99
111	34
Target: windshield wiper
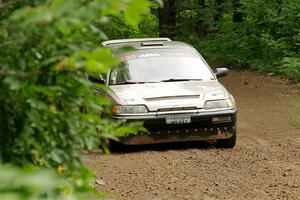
132	82
180	79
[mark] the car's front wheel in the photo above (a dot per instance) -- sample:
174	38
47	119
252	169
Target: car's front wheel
227	143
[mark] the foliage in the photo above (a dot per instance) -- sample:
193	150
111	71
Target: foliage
42	79
291	67
265	37
30	183
118	29
27	184
46	48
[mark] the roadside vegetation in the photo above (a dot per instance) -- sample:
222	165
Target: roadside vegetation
261	35
48	46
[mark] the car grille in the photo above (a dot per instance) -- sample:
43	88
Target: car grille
176	109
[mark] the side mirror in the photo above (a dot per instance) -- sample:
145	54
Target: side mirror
96	79
220	72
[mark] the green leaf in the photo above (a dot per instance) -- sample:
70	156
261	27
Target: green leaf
13	83
134	11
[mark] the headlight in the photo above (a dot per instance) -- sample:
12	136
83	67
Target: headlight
118	109
219	104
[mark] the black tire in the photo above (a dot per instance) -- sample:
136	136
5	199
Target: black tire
227	143
115	146
108	145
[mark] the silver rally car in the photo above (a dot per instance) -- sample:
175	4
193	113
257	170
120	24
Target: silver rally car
169	86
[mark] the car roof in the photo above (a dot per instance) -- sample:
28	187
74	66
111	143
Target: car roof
146	43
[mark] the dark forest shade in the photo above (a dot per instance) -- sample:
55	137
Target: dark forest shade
167	19
237	14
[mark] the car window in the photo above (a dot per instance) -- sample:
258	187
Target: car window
155	68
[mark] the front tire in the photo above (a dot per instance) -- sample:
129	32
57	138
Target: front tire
227	143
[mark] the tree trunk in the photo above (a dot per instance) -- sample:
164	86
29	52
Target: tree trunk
219	9
237	14
167	19
201	2
201	26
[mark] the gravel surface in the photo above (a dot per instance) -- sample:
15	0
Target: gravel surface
265	164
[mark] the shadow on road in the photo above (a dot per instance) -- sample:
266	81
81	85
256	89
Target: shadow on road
120	148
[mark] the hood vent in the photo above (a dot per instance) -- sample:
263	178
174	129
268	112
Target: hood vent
177	97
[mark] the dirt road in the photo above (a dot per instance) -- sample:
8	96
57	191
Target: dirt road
265	164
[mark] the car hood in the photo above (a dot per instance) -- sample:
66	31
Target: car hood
165	96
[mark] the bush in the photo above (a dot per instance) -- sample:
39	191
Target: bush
31	183
46	48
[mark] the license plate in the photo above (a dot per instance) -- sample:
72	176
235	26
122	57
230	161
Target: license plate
178	120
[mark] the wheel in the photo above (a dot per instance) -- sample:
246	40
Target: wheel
227	143
113	145
108	145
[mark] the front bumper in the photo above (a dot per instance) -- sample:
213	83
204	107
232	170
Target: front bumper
201	127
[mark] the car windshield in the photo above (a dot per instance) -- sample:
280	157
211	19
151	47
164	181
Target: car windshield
157	68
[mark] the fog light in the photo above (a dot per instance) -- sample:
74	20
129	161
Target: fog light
221	119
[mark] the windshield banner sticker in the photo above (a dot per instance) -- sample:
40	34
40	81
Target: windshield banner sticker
151	55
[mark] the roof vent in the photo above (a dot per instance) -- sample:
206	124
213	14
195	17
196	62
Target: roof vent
153	43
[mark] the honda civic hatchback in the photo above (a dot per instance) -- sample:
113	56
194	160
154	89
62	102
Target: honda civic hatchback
170	88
